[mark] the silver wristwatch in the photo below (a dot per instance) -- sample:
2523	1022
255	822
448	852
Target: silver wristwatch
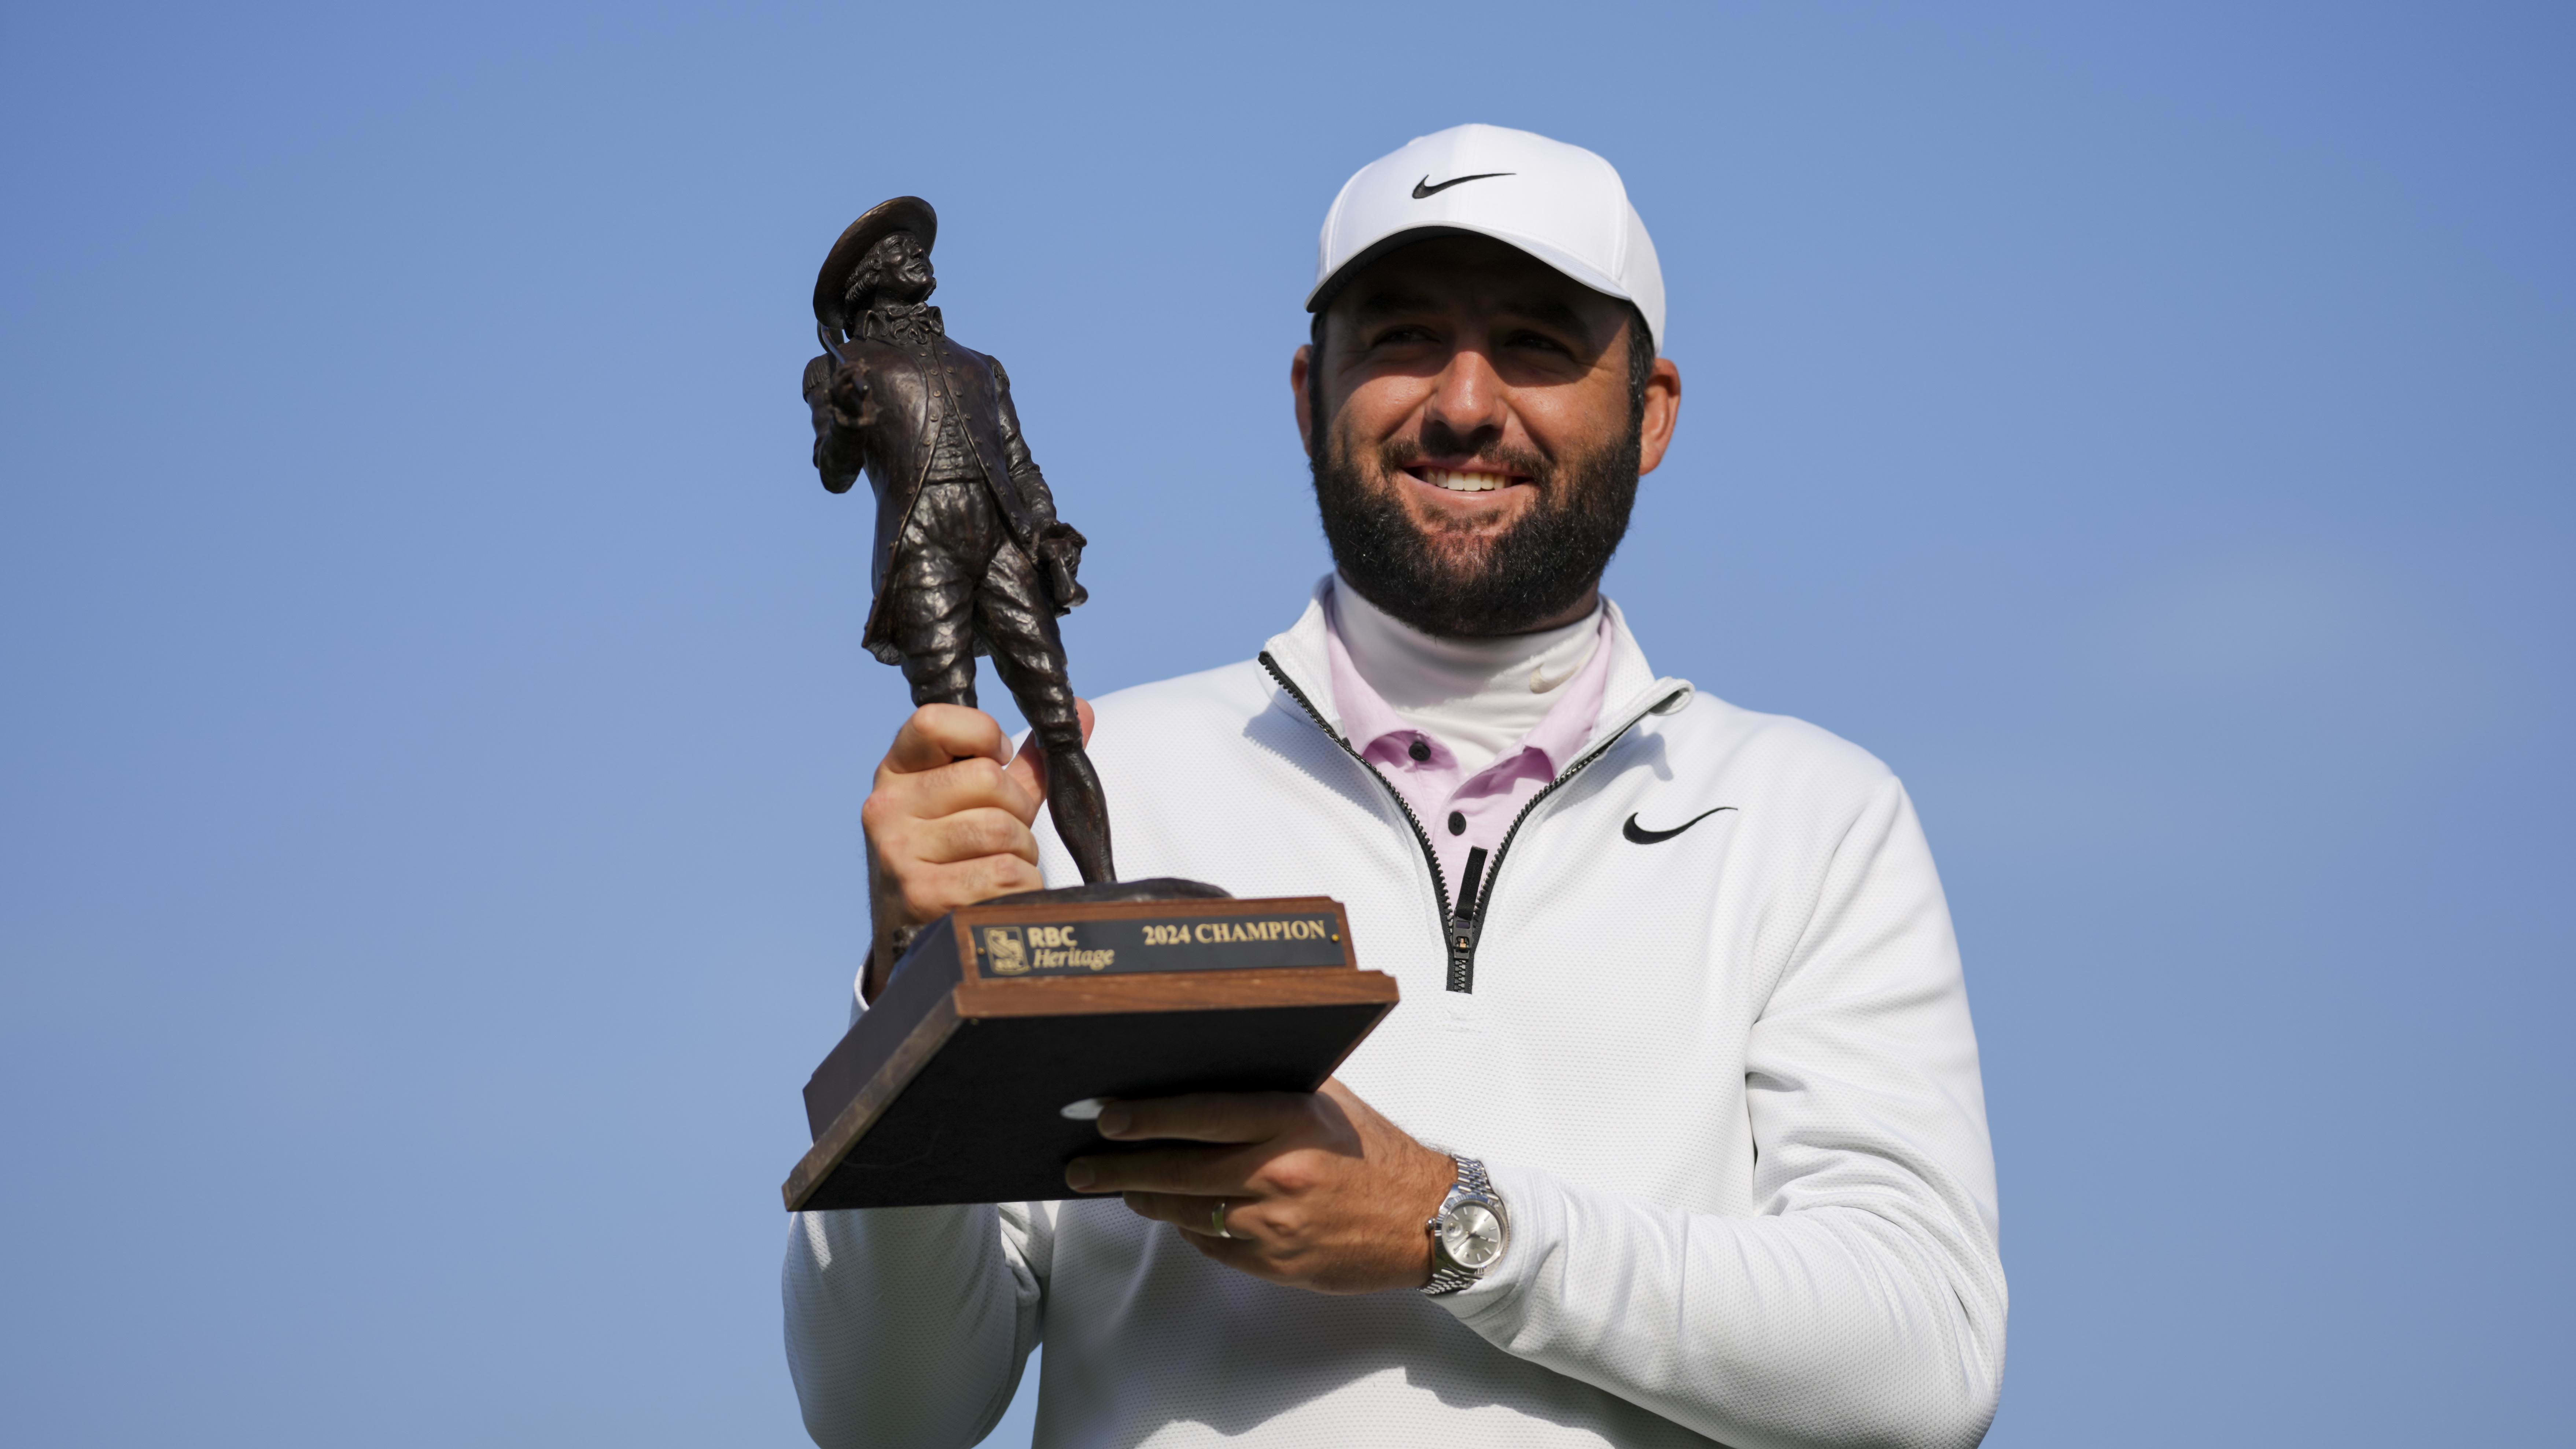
1469	1233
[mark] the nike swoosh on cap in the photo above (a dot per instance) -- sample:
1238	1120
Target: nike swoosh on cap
1639	835
1424	187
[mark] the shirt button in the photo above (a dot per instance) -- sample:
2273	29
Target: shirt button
1457	823
1419	749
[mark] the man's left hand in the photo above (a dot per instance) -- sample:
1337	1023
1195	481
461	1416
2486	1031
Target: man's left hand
1319	1191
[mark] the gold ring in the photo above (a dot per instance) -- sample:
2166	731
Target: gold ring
1217	1219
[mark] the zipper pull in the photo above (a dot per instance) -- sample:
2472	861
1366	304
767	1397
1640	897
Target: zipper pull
1464	928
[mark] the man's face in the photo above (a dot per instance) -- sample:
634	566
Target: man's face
902	267
1481	442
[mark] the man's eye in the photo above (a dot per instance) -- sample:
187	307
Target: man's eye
1401	336
1539	341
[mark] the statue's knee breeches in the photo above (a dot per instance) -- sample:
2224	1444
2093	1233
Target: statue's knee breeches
1017	620
934	626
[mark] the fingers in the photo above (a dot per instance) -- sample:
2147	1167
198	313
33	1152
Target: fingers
1209	1116
973	834
926	892
1249	1243
1028	767
944	760
954	789
949	822
947	825
1237	1253
1190	1212
1190	1171
938	734
1332	1201
1257	1239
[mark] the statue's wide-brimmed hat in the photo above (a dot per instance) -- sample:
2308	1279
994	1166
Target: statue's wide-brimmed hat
904	213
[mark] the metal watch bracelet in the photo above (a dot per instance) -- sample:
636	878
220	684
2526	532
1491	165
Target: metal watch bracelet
1447	1275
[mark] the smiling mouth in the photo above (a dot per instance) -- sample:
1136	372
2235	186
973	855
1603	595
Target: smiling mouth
1458	480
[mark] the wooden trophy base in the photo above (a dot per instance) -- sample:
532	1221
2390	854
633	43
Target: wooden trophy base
975	1075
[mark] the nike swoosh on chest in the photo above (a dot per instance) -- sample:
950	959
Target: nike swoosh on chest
1640	835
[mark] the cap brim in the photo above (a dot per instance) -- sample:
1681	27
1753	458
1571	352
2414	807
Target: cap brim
1556	259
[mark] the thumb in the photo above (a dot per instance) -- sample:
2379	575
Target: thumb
1028	767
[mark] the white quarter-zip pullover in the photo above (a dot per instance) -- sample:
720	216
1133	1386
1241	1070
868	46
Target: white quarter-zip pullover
1708	1034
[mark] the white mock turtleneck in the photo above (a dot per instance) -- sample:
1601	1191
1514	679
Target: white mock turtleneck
1476	696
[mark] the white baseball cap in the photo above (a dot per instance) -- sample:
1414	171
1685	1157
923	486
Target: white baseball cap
1559	203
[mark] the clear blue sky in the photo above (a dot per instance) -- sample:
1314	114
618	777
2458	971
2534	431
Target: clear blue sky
435	727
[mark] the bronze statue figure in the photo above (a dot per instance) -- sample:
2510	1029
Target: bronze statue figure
970	557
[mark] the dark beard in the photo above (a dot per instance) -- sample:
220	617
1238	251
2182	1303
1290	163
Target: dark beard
1463	584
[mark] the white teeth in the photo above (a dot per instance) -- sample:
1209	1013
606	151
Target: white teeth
1462	482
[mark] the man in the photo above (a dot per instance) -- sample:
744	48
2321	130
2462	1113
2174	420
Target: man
970	557
1677	1136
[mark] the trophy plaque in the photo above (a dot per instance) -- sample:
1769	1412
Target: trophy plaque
977	1073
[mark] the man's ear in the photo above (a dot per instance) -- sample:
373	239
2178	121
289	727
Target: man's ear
1297	368
1663	412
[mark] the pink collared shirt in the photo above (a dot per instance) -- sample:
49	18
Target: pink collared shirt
1466	813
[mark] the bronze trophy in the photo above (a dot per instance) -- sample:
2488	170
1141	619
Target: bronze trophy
974	1075
969	557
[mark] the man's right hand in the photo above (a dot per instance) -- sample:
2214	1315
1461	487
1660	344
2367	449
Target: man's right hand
948	823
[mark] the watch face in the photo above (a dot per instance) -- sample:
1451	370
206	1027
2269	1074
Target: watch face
1472	1235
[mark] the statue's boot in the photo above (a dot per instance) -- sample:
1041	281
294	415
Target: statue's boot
1081	812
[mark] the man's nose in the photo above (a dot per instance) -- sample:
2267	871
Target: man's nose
1466	399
